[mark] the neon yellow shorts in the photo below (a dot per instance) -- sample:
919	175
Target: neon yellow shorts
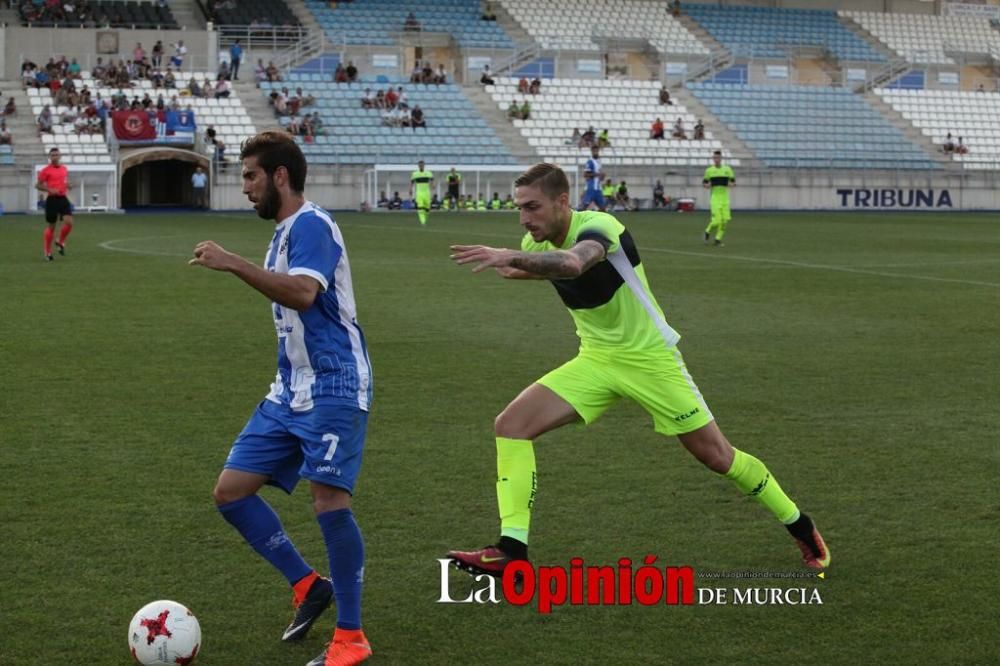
720	211
594	381
422	200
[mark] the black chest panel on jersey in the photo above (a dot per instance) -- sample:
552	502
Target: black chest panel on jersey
598	285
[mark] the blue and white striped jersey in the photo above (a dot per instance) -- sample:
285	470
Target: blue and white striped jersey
321	352
594	182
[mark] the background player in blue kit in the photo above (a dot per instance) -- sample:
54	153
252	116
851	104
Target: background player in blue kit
312	423
593	175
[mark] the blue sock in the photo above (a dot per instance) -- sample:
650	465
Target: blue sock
259	524
346	550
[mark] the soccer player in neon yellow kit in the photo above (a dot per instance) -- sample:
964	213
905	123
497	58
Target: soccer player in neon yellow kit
420	191
719	178
627	350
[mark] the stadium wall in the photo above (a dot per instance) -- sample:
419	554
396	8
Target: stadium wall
40	44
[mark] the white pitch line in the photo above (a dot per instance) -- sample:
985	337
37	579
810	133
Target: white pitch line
108	245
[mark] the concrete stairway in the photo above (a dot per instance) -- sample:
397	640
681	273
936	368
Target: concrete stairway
187	14
23	129
730	141
304	16
255	103
518	146
911	132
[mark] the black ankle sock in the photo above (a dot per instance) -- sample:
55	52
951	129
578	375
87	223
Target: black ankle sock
512	548
802	528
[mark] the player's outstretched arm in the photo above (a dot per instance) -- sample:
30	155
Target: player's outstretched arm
553	265
293	291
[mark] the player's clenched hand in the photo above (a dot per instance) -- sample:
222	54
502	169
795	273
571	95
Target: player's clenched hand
211	255
484	257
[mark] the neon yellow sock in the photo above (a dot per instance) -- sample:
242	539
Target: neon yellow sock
752	478
422	215
722	229
516	485
711	225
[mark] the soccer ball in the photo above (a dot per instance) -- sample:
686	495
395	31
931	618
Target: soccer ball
164	633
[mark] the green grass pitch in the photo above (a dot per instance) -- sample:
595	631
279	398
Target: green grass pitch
854	354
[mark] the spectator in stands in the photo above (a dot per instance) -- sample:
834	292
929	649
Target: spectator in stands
380	99
665	96
513	110
352	72
138	53
193	88
675	7
5	138
28	71
487	78
272	72
411	24
574	139
235	57
41	78
415	73
401	97
488	13
526	110
396	202
224	70
221	88
535	87
304	99
603	139
405	117
981	88
960	147
157	58
393	117
589	138
368	99
177	60
427	73
316	124
391	97
417	117
699	131
523	85
294	125
169	80
210	135
73	69
45	119
622	198
259	72
679	132
207	88
656	129
219	154
10	109
949	144
340	74
441	76
659	200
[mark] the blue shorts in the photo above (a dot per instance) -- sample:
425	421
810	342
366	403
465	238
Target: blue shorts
595	196
322	445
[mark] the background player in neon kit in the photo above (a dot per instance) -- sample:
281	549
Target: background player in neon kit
312	424
627	349
719	178
53	179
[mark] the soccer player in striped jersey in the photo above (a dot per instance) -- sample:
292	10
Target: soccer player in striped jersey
312	423
627	350
53	179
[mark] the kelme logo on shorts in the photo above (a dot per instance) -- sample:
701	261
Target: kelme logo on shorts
688	415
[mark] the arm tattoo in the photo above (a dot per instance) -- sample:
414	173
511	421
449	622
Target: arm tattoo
560	264
557	264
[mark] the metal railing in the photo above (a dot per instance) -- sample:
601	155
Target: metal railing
260	38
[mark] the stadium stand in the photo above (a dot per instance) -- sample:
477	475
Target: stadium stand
784	126
227	116
455	132
768	32
972	116
922	38
625	108
572	25
99	14
263	13
377	22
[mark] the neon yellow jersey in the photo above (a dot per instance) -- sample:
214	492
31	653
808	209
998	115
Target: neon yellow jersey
611	304
421	182
719	177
